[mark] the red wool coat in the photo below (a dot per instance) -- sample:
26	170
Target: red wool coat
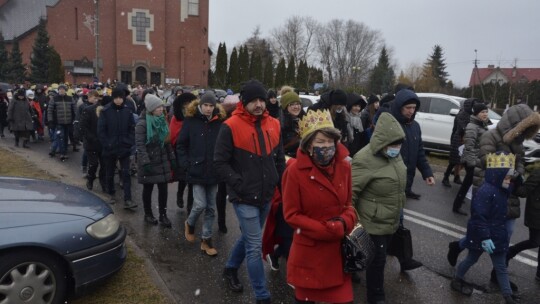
310	201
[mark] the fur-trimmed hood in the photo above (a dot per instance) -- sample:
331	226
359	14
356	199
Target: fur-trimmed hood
519	122
192	110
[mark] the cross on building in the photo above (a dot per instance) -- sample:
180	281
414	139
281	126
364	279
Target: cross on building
141	22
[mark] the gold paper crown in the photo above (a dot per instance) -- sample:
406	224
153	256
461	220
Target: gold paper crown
496	161
315	120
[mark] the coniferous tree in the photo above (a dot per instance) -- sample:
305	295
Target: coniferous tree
382	77
281	73
211	78
220	75
315	76
16	68
302	77
291	72
243	63
435	64
3	56
268	76
234	70
39	62
56	68
255	67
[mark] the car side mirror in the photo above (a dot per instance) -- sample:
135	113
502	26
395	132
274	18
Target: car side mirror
454	112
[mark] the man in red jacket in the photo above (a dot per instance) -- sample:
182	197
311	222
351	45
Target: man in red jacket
249	157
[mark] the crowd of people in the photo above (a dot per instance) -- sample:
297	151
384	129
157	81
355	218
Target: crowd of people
298	180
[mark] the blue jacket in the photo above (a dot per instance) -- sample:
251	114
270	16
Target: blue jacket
412	149
116	130
488	213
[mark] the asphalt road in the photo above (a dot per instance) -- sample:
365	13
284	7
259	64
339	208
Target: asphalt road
189	276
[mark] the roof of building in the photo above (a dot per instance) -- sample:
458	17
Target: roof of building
19	17
512	74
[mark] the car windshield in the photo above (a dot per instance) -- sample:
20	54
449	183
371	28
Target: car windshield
492	115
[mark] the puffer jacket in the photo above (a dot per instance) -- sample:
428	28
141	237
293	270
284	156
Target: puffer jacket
153	160
489	213
531	188
412	149
249	156
378	181
61	110
475	129
196	142
116	130
518	123
458	131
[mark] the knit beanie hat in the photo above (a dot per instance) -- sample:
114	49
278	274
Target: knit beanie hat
338	97
209	98
372	99
251	90
62	86
271	94
151	102
355	99
118	93
289	98
479	107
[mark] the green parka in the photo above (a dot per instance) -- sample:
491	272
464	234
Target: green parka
378	181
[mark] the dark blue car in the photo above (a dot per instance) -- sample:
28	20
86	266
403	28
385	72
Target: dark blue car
55	240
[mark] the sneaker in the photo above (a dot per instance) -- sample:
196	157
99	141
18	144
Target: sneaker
189	232
231	276
453	253
461	286
164	221
459	211
412	195
208	248
512	299
129	204
410	264
150	219
273	261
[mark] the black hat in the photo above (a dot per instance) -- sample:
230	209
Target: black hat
271	94
479	107
355	99
251	90
372	99
338	97
118	93
106	100
387	98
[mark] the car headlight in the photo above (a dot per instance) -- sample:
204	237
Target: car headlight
104	228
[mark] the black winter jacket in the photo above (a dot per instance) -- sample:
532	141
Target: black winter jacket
116	130
88	128
458	131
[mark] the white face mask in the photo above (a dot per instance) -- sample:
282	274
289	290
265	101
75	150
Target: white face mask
339	110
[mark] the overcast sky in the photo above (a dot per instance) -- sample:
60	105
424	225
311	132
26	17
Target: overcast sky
501	30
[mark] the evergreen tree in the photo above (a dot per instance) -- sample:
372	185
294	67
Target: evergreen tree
16	68
243	64
291	72
56	68
255	67
211	78
233	75
315	76
435	64
268	76
382	77
220	74
3	56
302	78
39	62
281	72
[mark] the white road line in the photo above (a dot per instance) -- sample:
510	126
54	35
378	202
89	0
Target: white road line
519	258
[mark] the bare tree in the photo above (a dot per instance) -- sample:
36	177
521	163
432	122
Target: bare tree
347	50
295	38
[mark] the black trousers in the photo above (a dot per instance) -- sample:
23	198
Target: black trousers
162	198
95	161
467	182
375	270
221	203
110	169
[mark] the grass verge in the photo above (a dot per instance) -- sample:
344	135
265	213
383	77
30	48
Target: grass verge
130	285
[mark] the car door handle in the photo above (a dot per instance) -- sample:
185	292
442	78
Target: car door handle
429	118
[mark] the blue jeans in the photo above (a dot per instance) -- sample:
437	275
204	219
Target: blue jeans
204	199
59	143
249	245
499	263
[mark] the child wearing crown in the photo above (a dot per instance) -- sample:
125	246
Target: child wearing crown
486	230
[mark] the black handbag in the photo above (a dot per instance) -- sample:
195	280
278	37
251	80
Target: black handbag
401	244
357	249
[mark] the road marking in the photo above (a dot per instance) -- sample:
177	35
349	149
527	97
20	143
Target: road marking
519	258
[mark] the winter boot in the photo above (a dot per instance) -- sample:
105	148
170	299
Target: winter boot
231	276
164	221
189	232
446	182
25	144
180	201
150	219
208	248
512	299
84	170
457	179
453	253
89	184
129	204
461	286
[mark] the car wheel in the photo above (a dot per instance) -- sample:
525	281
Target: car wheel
32	278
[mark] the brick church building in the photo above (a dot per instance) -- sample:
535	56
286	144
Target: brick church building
144	41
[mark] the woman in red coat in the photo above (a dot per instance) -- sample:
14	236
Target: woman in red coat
316	191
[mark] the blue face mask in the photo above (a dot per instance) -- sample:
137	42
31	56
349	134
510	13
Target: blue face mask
392	152
323	155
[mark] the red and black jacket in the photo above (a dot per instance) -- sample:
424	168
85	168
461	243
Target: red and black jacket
249	156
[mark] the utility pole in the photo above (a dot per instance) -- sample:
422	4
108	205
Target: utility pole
96	37
477	76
